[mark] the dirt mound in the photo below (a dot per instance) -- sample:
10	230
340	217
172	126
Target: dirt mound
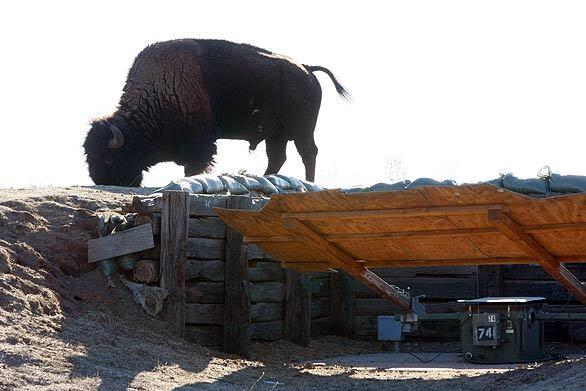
62	327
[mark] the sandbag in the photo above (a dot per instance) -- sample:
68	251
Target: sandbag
381	186
266	186
190	185
173	185
430	182
232	186
279	183
353	190
567	183
249	182
524	186
295	183
310	186
211	183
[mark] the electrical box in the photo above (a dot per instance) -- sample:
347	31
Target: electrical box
389	329
499	330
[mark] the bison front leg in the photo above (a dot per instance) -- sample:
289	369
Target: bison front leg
308	152
202	159
276	152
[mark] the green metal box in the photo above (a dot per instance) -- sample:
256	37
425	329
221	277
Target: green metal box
499	330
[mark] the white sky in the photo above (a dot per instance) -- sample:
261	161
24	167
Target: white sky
444	89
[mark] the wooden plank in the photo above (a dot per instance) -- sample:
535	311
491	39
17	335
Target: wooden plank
336	238
203	248
536	272
442	271
265	271
204	335
320	307
528	244
130	241
411	263
265	312
267	331
342	305
551	290
345	261
207	227
174	228
200	313
298	307
269	292
432	287
199	227
320	287
489	281
205	270
255	252
378	306
386	213
205	292
237	296
146	271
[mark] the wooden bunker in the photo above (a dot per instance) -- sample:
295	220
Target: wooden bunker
446	243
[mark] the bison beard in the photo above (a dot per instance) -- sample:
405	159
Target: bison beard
181	96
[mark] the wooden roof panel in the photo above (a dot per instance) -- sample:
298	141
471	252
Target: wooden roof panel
376	235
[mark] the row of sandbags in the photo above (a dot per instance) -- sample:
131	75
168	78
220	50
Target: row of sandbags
545	185
239	184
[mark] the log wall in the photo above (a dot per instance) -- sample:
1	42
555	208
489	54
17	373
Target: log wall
337	303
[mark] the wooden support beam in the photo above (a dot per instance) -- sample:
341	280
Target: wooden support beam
335	238
342	305
408	263
528	244
174	228
340	259
385	213
298	307
236	338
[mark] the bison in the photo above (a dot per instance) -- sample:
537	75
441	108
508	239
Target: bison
182	95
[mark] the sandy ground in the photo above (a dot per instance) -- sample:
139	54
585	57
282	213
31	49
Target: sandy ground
63	328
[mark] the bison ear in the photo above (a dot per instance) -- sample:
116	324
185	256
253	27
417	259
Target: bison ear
117	140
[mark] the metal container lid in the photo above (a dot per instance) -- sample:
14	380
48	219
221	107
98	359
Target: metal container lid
503	300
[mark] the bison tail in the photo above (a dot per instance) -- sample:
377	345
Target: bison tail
339	87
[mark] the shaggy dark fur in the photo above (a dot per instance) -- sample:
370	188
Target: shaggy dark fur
181	96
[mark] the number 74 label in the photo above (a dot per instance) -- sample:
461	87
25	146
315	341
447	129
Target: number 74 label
484	333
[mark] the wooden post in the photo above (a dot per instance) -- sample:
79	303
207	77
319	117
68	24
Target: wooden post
236	338
342	305
298	307
174	228
489	281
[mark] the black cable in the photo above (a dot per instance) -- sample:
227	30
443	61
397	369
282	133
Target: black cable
425	361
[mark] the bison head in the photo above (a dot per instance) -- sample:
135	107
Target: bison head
113	154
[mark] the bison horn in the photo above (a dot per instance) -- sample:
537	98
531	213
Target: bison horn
117	138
